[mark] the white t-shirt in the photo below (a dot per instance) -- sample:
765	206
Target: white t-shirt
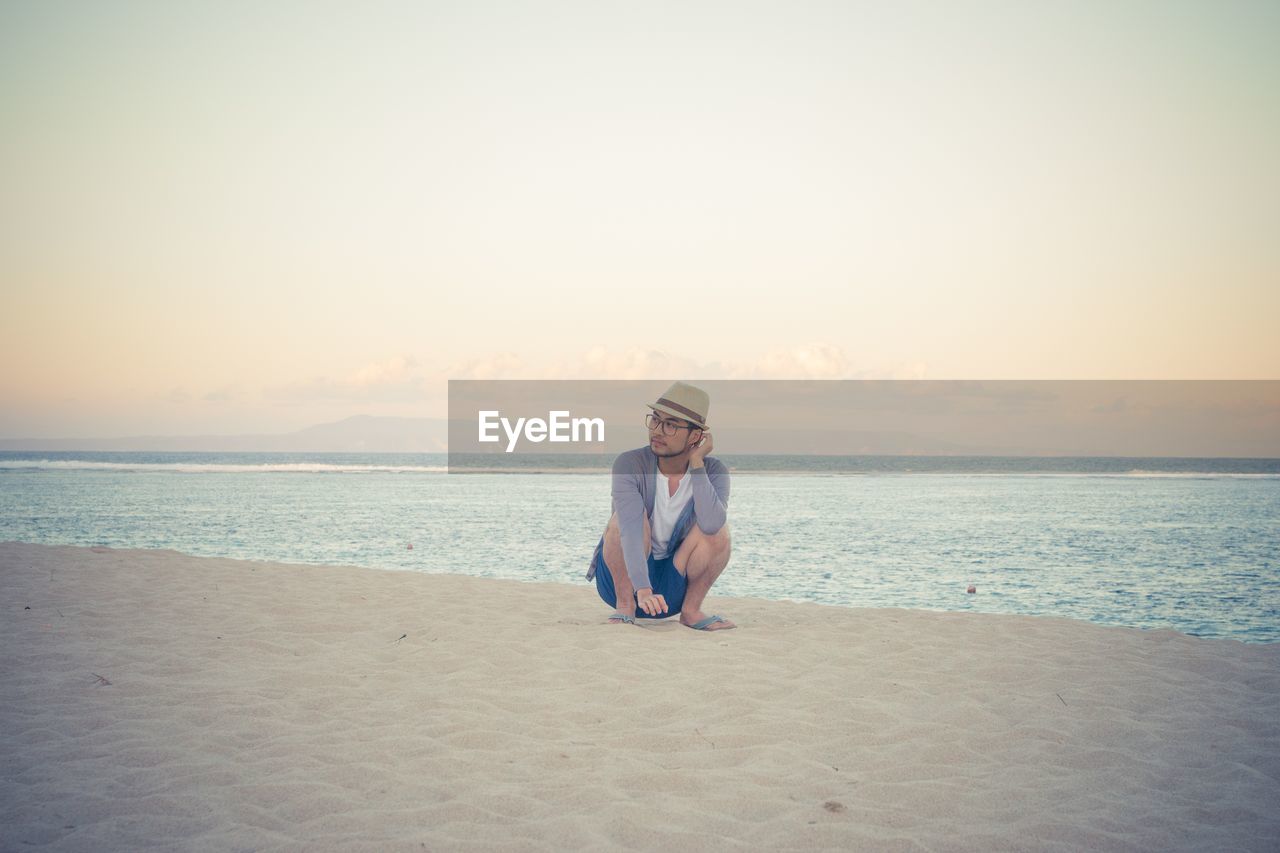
666	510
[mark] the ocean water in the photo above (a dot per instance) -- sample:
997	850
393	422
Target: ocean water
1191	545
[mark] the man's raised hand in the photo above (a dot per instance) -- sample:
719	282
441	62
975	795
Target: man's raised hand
699	453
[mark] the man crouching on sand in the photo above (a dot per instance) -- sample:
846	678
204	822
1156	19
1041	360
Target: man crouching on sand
667	540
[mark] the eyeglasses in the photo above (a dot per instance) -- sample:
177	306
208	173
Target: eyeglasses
654	422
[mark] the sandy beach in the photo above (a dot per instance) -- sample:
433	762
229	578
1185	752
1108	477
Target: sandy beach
156	700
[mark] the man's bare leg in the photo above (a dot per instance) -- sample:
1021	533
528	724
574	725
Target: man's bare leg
617	565
701	559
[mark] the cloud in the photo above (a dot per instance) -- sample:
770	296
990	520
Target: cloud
390	372
225	394
632	363
817	360
175	395
809	361
503	365
394	380
595	363
906	370
400	379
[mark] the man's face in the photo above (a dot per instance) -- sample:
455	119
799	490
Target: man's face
663	445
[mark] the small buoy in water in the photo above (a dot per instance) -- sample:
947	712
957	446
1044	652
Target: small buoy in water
971	588
410	546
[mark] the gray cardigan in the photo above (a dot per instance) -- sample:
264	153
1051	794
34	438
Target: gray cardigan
634	487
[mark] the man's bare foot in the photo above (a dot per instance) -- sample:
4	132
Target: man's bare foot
615	619
691	618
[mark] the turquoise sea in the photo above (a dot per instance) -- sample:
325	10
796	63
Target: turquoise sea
1187	544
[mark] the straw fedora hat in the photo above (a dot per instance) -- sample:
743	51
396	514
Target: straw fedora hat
684	401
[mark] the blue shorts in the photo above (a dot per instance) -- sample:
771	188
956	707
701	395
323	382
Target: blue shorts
663	576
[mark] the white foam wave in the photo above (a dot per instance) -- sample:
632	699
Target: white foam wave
218	467
1075	475
1200	474
330	468
1121	475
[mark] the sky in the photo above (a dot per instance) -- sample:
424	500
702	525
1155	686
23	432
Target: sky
254	217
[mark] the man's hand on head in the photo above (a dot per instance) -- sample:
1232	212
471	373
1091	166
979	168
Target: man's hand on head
697	456
654	605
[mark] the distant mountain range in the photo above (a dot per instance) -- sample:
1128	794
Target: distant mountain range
357	434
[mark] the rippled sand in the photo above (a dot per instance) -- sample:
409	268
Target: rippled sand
152	699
